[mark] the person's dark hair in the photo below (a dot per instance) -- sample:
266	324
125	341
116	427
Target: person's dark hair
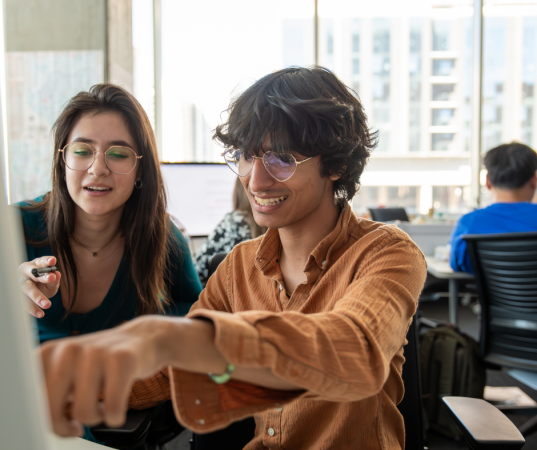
510	166
242	204
310	111
145	224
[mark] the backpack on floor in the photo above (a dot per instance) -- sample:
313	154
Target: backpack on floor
450	365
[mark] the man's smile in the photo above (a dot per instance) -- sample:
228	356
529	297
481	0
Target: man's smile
269	201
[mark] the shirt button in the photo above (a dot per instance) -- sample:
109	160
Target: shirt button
323	263
271	431
281	288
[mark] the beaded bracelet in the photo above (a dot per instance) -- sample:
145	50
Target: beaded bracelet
224	378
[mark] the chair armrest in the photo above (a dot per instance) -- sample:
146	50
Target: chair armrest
483	426
136	425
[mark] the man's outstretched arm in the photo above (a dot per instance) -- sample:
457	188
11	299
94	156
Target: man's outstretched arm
78	369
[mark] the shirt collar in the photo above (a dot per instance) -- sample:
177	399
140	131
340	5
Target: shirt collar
270	244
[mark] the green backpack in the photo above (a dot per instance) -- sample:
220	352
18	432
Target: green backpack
450	365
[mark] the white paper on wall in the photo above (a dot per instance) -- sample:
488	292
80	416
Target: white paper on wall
39	84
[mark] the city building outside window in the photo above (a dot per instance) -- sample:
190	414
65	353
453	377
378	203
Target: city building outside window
410	63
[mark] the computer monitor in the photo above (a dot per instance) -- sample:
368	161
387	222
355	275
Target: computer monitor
24	421
199	194
388	214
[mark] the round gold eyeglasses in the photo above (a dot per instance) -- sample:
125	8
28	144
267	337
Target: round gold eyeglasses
281	166
81	156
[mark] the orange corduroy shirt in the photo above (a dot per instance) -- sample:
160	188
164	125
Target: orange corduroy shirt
339	336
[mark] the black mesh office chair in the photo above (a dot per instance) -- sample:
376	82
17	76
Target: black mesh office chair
473	416
148	429
388	214
505	267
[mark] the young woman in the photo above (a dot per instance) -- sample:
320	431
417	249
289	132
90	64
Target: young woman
104	224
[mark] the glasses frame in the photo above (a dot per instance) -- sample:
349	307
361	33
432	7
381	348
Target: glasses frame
62	151
297	163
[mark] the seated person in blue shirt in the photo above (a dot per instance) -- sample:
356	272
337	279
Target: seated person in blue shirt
104	224
512	181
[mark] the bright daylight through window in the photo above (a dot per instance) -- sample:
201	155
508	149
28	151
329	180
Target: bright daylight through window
410	63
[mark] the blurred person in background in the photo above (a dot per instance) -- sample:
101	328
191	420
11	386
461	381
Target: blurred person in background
512	181
103	224
237	226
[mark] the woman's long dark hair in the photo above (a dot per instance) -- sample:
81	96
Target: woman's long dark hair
144	224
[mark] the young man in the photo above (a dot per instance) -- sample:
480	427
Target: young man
512	180
304	326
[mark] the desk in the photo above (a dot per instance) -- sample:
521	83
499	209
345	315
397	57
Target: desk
442	269
59	443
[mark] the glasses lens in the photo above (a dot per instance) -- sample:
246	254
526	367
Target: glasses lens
120	159
78	156
280	165
238	162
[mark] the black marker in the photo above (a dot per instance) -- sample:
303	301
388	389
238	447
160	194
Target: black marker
43	270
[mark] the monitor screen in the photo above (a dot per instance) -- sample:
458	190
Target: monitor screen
199	195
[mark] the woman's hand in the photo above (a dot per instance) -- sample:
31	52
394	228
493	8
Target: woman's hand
39	290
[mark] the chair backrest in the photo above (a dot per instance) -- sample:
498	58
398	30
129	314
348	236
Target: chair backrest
410	408
388	214
505	267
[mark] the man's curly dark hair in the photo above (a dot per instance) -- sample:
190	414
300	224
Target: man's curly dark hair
307	110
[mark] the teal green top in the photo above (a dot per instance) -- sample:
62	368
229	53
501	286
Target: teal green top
119	304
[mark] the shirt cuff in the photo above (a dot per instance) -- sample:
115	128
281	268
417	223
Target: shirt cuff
202	405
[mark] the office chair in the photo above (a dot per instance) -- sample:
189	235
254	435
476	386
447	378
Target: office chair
505	267
472	416
388	214
148	429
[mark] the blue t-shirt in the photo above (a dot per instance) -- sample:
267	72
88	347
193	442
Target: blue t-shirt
494	219
119	304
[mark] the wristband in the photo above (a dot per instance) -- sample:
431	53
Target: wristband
224	378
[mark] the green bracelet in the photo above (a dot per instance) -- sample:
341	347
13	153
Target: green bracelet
224	378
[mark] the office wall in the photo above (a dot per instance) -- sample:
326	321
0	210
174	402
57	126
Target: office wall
37	25
55	49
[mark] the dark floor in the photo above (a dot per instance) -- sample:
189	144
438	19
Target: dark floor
468	323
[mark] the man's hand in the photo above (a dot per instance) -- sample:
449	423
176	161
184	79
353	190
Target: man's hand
78	369
39	290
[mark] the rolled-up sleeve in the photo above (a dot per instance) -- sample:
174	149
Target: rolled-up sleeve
340	355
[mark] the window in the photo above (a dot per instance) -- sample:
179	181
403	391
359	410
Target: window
443	116
442	35
442	141
450	199
415	84
443	67
207	61
443	92
509	75
411	67
143	56
388	197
